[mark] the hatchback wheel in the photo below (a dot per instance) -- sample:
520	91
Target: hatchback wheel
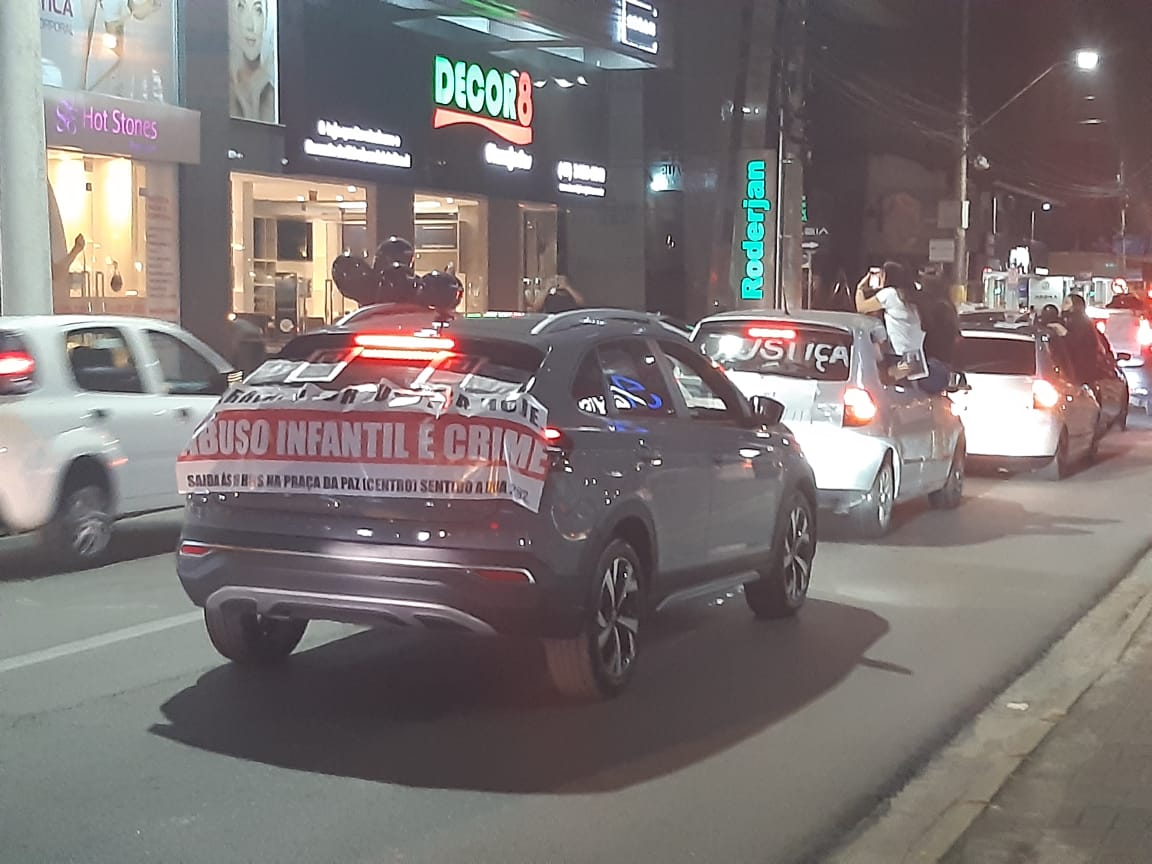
872	518
952	494
250	639
1059	467
783	586
82	528
600	662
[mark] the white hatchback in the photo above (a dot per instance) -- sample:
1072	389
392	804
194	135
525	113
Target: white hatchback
93	412
870	441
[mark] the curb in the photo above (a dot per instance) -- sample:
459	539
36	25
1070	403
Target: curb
922	823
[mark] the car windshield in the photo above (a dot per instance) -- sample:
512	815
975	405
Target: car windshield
988	355
785	348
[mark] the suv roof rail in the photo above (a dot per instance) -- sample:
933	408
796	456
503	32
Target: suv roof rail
578	317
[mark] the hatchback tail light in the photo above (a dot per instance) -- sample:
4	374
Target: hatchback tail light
16	370
1144	334
860	408
1045	396
557	440
189	549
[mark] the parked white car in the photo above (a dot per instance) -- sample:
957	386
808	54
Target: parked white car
871	442
93	413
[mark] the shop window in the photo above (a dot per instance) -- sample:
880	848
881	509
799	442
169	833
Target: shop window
114	236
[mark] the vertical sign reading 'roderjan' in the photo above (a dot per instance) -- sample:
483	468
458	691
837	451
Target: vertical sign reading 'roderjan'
755	207
469	94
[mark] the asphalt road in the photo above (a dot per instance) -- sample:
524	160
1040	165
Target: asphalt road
124	739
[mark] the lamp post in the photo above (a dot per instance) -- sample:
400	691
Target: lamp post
1086	60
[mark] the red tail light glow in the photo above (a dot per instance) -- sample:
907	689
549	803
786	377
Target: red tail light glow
771	333
1144	333
1045	396
371	346
860	408
557	439
16	365
1101	326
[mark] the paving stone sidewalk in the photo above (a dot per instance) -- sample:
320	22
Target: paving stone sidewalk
1085	795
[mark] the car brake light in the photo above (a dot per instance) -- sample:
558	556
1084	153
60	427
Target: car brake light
372	346
1045	396
1101	326
16	365
1144	333
556	439
772	333
860	408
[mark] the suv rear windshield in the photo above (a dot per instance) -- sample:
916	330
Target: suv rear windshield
988	355
1128	301
476	366
782	348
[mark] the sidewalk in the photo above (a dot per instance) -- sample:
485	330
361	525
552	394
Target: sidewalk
1085	795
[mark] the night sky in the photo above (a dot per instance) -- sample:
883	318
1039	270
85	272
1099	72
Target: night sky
888	80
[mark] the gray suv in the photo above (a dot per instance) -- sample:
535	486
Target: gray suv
662	484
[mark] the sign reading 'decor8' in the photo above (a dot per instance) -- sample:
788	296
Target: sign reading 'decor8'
469	94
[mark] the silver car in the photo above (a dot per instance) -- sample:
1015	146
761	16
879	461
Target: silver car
871	442
632	475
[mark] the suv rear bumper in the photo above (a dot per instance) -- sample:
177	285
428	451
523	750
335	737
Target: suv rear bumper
432	589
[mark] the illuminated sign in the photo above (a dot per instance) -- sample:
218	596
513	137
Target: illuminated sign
117	127
639	26
756	207
578	178
354	144
510	158
469	94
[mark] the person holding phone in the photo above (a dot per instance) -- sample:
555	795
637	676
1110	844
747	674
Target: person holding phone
890	291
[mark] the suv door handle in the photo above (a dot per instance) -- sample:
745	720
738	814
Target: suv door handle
182	413
647	454
98	414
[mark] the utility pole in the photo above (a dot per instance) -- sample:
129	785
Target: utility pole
25	246
961	265
1123	222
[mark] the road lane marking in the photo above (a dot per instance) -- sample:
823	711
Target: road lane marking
92	643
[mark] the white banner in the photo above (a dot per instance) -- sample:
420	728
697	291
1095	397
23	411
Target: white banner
374	441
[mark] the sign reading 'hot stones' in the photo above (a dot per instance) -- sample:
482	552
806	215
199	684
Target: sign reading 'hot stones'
356	443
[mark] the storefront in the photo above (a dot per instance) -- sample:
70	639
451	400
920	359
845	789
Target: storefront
115	138
482	158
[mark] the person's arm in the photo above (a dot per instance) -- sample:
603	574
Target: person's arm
866	305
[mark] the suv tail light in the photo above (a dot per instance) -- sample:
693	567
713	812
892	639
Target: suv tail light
557	440
860	408
1045	396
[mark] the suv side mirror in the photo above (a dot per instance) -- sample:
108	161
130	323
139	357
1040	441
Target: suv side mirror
958	383
766	411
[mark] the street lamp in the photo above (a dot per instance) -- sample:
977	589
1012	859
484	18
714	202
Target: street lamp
1087	60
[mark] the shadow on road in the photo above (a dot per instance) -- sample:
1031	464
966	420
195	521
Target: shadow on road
464	715
985	520
21	557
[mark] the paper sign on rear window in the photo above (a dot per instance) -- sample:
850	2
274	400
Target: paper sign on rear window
379	442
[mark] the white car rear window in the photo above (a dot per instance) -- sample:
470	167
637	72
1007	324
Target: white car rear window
984	355
784	348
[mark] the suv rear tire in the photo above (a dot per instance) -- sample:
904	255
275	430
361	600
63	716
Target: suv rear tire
783	585
600	662
951	495
1059	467
249	639
79	533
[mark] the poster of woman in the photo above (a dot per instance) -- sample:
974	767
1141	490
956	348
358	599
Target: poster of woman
252	40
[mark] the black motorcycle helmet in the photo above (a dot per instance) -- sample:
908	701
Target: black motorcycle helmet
441	291
395	253
355	279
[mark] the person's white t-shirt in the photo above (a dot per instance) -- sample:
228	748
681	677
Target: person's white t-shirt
901	321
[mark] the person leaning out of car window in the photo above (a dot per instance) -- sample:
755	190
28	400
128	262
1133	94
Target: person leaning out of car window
893	293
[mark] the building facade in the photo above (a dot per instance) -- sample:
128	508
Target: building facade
116	132
506	142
